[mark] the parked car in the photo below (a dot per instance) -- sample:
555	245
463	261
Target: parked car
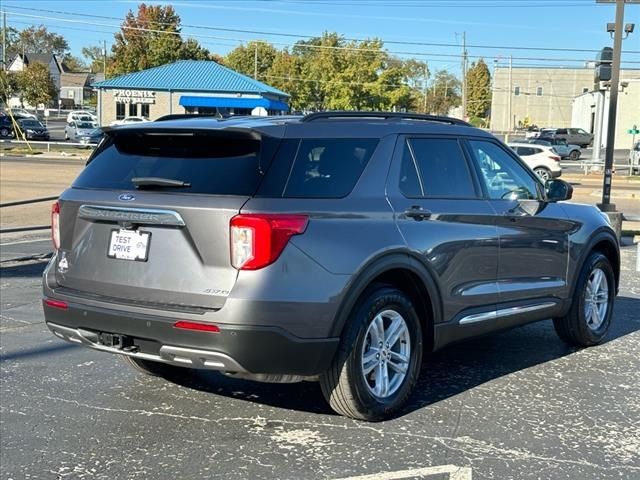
634	159
91	138
533	131
77	129
543	160
128	120
21	113
576	136
76	115
6	126
33	129
560	145
338	247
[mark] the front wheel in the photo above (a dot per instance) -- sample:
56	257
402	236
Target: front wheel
589	318
379	358
574	155
543	173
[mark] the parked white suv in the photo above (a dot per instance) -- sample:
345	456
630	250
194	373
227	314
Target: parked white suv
76	115
543	160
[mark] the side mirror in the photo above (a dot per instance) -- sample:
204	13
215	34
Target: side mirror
558	190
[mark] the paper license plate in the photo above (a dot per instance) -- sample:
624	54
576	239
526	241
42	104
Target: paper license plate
129	245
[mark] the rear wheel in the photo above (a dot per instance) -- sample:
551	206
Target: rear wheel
589	318
379	358
4	132
543	173
574	155
155	369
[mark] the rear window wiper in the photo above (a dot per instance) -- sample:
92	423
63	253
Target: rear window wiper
159	182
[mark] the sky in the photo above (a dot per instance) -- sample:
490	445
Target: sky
528	30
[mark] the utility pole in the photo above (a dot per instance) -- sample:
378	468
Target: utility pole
464	75
606	205
255	62
104	58
510	99
4	41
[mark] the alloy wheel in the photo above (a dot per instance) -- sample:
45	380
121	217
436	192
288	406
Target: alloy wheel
386	354
596	299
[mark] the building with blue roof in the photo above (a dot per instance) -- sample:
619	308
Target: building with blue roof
187	86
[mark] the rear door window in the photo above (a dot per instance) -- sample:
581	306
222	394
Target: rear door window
215	162
435	167
318	167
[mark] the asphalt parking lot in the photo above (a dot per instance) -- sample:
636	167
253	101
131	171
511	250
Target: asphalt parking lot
516	405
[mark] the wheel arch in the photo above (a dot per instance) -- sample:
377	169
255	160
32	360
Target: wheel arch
405	272
606	243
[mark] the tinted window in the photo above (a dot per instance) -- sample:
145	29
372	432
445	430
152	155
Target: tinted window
561	131
503	176
328	168
119	111
442	168
85	125
213	163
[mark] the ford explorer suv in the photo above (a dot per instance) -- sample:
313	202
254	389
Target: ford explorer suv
338	247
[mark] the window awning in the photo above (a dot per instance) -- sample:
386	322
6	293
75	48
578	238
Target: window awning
232	102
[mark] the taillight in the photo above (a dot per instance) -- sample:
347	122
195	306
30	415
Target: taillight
55	225
56	304
257	240
200	327
554	157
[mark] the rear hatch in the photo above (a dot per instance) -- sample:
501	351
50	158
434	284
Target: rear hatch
147	221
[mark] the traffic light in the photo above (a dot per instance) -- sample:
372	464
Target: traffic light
603	65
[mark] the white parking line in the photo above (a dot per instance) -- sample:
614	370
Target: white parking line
455	473
25	241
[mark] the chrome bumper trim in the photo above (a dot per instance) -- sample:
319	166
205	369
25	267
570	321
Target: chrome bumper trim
181	356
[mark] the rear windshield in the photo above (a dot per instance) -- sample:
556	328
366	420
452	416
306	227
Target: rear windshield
214	163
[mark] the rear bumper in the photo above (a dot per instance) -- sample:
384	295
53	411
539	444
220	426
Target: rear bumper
243	349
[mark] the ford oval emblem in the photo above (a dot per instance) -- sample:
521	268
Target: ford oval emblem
127	197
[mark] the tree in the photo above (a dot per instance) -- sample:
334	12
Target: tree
444	93
243	58
40	40
478	90
151	38
12	41
73	64
7	86
35	84
95	58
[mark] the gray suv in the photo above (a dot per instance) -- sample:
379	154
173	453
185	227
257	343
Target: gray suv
338	247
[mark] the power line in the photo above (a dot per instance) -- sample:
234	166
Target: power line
295	35
298	45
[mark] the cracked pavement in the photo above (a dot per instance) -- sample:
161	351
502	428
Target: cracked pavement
519	404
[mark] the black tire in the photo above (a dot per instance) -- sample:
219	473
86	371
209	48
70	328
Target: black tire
574	328
4	132
155	369
574	155
344	385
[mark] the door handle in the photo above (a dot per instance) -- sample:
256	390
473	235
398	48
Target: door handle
417	213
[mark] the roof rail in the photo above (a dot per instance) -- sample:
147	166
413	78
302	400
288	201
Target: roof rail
382	115
182	116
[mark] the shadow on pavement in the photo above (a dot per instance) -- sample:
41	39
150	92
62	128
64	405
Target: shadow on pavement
451	371
22	270
38	351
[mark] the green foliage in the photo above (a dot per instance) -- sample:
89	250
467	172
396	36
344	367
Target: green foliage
149	39
73	64
478	90
330	72
93	55
35	84
444	93
40	40
7	86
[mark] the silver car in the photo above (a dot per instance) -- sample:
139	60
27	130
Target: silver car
77	129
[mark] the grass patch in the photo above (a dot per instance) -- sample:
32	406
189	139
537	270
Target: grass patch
23	150
630	233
